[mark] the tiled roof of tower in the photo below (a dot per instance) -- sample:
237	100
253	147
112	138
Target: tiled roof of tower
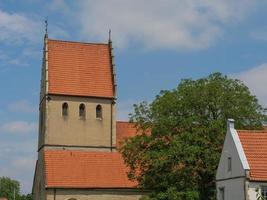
81	69
84	169
254	144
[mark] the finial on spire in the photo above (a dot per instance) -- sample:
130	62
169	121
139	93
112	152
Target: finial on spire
46	26
109	35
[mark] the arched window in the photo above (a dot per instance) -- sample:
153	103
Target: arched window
65	109
82	111
99	111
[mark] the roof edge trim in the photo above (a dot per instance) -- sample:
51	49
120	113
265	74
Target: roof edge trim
85	96
93	188
239	148
80	42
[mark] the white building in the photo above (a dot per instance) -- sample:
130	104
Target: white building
242	170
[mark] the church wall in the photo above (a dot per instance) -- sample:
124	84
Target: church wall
42	120
72	130
65	194
39	180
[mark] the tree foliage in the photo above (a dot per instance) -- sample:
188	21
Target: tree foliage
178	160
11	188
26	197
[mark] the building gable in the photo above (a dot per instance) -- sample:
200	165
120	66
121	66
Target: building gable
232	152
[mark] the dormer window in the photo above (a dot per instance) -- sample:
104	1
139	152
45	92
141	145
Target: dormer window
82	111
229	164
99	112
65	109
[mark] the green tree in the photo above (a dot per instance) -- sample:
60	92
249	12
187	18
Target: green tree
9	188
26	197
178	160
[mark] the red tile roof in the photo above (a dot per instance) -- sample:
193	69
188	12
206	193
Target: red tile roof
125	130
82	69
84	169
255	147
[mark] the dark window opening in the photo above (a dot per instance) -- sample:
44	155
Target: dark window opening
82	111
264	192
99	111
229	164
221	193
65	109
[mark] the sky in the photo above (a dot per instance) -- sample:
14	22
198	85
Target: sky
157	43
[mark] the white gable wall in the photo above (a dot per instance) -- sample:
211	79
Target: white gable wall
232	181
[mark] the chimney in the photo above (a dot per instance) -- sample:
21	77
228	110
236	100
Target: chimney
230	124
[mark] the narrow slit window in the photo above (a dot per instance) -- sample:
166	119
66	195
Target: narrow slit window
65	109
229	164
82	111
99	111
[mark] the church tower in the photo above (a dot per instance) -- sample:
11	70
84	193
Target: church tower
78	132
78	96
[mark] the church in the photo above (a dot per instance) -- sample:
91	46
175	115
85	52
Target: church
78	131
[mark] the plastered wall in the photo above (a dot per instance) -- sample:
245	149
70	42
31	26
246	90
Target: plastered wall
39	179
73	130
233	180
234	189
61	194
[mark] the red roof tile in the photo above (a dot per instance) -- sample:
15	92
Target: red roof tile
255	147
125	130
81	69
83	169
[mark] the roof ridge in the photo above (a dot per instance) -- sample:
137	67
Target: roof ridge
80	42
